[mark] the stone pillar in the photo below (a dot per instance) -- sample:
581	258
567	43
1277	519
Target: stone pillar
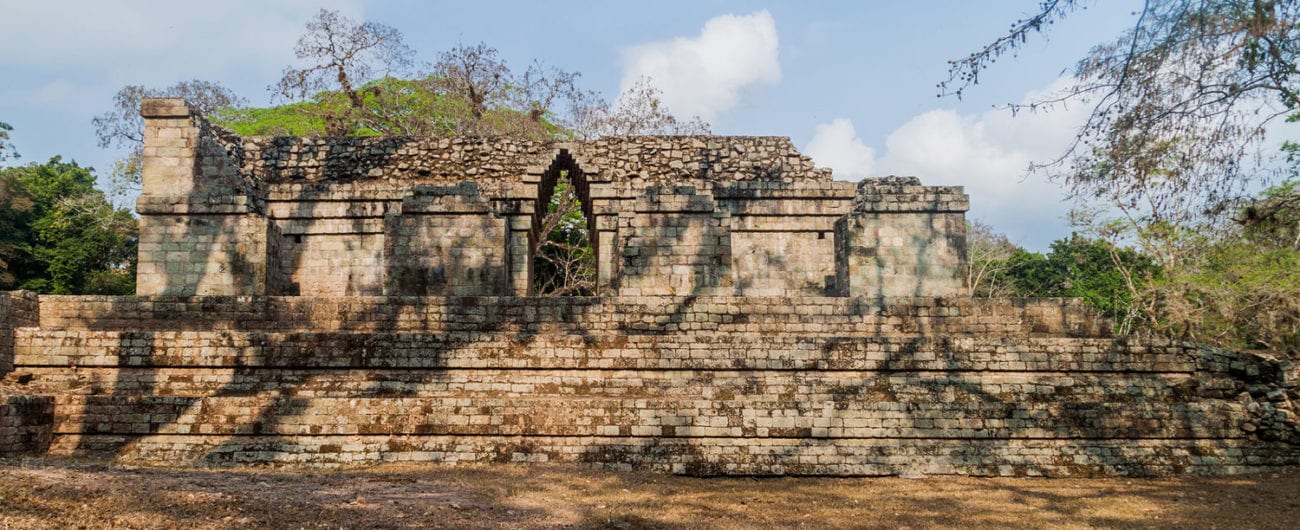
18	309
516	207
903	239
201	232
171	139
608	212
520	260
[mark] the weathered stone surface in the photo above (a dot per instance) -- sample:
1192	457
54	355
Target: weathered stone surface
17	309
705	385
675	216
26	423
338	301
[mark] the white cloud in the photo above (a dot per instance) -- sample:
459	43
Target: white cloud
63	61
156	44
988	153
708	74
837	146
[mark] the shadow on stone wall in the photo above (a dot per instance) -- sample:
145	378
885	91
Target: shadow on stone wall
274	373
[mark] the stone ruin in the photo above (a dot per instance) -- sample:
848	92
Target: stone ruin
328	301
385	216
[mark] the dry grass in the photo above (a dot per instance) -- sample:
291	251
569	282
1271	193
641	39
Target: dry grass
72	494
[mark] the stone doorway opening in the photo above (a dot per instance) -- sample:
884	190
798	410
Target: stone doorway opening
562	244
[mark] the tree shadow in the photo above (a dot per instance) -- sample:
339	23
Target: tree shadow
885	386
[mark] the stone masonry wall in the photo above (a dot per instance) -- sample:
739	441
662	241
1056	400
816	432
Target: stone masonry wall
201	230
447	242
1024	317
335	301
225	215
25	420
497	162
17	309
678	245
783	237
25	424
902	239
696	384
197	254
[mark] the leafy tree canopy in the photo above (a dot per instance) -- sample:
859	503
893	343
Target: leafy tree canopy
1080	267
1178	103
60	235
6	148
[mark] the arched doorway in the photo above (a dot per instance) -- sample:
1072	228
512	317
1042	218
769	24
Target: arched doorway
563	242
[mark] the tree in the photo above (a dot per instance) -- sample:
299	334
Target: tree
500	102
988	255
476	74
16	215
390	106
1178	105
564	262
1241	288
6	148
1273	219
124	127
1178	108
1108	278
542	88
354	84
61	235
1236	294
343	55
638	111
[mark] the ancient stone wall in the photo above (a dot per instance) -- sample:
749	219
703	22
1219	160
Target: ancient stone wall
26	424
25	420
201	227
706	385
17	309
497	163
334	301
902	239
225	215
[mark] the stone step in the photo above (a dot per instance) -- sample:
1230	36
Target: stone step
742	416
901	387
576	315
715	350
713	456
25	423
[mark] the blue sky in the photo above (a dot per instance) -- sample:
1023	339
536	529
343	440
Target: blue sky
852	83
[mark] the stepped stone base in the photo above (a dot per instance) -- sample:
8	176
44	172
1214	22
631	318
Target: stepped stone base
713	455
700	385
25	424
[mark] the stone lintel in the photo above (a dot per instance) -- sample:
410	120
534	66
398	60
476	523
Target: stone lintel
158	108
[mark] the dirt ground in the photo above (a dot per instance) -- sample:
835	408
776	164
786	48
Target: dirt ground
77	494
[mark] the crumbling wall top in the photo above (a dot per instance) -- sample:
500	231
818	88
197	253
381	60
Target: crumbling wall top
648	159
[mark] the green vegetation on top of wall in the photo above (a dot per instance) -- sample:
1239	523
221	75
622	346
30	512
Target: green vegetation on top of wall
389	106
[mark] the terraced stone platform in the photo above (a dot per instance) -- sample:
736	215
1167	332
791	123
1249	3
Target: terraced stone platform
702	385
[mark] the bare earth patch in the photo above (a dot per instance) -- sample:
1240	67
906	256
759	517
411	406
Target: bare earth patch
73	494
